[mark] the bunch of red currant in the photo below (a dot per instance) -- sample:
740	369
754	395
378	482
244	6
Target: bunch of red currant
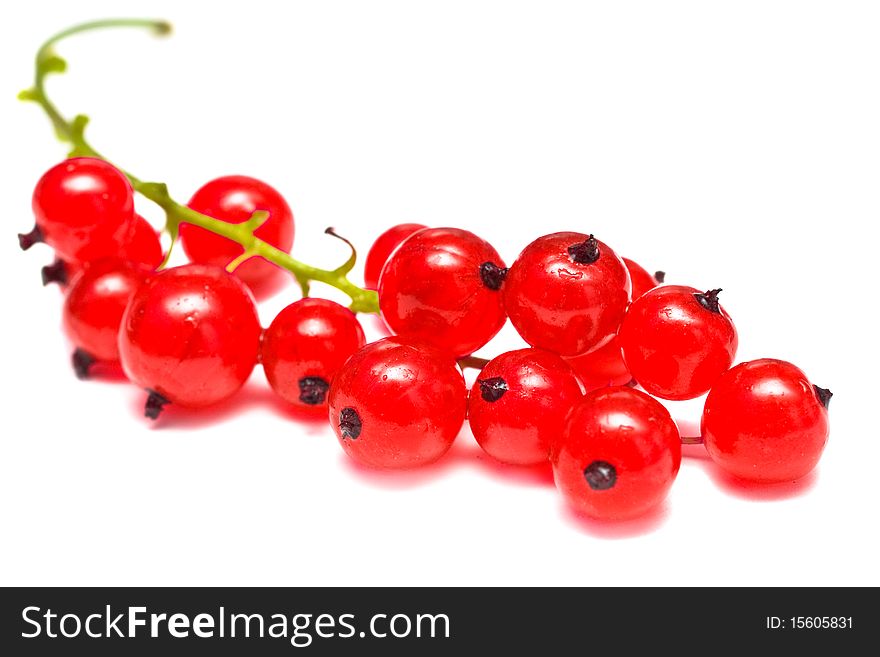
597	325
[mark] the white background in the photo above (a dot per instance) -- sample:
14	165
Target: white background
734	145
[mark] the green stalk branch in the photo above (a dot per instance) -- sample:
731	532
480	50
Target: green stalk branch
73	132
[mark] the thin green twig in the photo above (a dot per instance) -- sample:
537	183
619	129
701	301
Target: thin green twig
73	132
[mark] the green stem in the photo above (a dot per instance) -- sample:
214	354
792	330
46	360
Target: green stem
73	133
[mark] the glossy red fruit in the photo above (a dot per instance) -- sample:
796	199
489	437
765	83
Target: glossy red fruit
605	366
397	404
567	293
190	335
518	405
677	341
443	287
642	280
84	209
93	309
618	455
234	199
765	422
382	249
602	367
304	347
142	246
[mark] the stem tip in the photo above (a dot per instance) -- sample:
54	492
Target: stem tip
350	423
54	273
586	252
492	275
154	405
313	390
709	300
82	362
27	240
600	475
493	389
824	395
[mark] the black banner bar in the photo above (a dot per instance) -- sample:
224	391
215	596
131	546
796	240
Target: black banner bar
431	621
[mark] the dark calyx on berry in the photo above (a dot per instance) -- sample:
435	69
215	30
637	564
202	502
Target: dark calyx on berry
586	252
660	276
54	273
27	240
600	475
350	423
313	390
492	275
709	300
154	404
492	389
82	362
824	395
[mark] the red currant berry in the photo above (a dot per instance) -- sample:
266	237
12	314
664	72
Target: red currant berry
143	245
191	336
567	292
764	421
234	199
84	209
602	367
605	366
677	341
641	279
382	248
618	455
518	405
93	309
442	286
397	404
304	347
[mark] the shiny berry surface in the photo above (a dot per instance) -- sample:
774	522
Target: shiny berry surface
94	305
142	245
397	404
605	366
602	367
190	334
618	455
234	199
764	421
567	293
304	347
677	341
518	405
84	208
382	249
443	286
642	280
